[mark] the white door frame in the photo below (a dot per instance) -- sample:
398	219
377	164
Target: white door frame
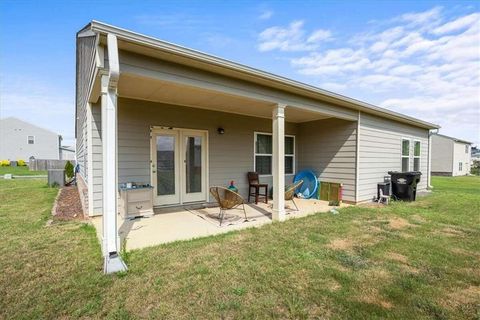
199	196
180	197
167	199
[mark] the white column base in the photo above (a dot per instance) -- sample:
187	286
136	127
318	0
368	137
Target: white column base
278	215
114	263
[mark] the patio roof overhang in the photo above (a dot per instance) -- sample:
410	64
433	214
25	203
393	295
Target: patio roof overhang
167	92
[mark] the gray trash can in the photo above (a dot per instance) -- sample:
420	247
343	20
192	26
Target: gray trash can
56	177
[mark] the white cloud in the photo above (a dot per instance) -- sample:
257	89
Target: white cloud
425	19
458	24
265	15
319	35
292	38
425	64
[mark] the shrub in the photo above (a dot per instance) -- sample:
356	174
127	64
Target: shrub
4	163
475	168
69	169
21	163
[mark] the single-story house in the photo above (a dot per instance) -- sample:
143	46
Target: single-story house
20	140
450	156
152	112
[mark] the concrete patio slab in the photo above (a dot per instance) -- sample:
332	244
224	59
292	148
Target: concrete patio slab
174	224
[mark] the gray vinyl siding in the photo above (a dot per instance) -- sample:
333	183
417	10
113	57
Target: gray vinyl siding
328	147
380	143
230	155
442	155
86	50
97	158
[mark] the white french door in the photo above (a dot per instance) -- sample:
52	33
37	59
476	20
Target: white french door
178	165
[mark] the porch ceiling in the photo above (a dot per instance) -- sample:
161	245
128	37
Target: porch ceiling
137	87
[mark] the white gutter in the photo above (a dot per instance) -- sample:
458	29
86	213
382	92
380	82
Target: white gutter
171	48
429	170
357	159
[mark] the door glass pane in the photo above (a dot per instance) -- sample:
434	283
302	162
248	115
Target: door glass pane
264	144
193	159
165	165
263	164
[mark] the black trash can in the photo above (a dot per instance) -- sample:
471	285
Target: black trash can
404	184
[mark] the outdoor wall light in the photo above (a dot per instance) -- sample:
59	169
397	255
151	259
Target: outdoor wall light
221	130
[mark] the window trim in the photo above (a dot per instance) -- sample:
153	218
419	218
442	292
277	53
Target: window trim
407	156
419	156
255	154
28	139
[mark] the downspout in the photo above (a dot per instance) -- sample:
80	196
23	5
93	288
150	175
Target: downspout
357	158
113	261
429	170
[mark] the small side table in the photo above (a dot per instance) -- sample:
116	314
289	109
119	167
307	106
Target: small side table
136	202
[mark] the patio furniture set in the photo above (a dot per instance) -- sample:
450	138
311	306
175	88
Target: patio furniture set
229	199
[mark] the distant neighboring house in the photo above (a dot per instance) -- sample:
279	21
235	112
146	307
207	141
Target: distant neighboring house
67	153
21	140
450	156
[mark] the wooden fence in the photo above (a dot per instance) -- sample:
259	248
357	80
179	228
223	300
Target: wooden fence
43	164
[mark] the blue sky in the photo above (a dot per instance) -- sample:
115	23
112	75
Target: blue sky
421	58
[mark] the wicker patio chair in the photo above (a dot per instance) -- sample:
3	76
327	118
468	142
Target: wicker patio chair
227	199
290	192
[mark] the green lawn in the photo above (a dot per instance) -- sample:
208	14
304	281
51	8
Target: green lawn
406	261
20	171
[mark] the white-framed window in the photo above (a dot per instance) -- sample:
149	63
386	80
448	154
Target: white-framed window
405	155
416	155
31	139
263	150
466	148
459	166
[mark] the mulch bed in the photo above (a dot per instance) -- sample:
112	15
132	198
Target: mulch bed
68	205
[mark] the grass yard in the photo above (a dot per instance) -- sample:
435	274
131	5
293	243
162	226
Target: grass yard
405	261
20	171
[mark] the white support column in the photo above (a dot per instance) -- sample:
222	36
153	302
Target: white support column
113	262
278	167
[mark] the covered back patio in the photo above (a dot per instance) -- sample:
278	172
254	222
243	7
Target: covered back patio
182	130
